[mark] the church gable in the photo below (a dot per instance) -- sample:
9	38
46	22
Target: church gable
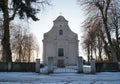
60	29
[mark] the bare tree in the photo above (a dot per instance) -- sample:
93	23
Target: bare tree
30	46
114	24
23	44
102	9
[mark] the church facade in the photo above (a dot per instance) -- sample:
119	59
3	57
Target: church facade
61	44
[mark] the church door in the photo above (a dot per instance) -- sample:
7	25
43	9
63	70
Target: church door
61	63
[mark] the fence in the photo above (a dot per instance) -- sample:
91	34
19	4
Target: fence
51	68
66	69
107	67
35	67
17	67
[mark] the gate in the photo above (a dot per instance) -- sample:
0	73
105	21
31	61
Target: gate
66	69
61	63
61	68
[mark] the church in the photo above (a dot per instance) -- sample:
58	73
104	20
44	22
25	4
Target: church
61	43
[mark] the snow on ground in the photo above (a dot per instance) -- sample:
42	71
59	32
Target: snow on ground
59	78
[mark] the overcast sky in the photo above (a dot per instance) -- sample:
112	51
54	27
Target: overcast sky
67	8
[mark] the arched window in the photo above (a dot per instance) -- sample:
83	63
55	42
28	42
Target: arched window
60	32
60	25
60	52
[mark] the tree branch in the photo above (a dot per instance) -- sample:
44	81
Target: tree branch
14	13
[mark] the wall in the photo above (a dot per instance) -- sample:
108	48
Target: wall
108	67
18	67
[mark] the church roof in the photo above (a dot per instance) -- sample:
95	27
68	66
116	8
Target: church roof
60	18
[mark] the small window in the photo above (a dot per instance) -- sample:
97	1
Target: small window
60	52
60	32
60	25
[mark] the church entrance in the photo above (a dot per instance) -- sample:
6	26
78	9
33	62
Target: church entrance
61	63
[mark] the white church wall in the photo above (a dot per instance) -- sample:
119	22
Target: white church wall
50	51
72	54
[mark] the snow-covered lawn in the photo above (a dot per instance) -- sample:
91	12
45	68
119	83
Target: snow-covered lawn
59	78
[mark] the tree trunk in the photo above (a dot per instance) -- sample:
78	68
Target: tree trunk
88	50
6	34
100	49
113	53
117	39
19	48
91	51
104	12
